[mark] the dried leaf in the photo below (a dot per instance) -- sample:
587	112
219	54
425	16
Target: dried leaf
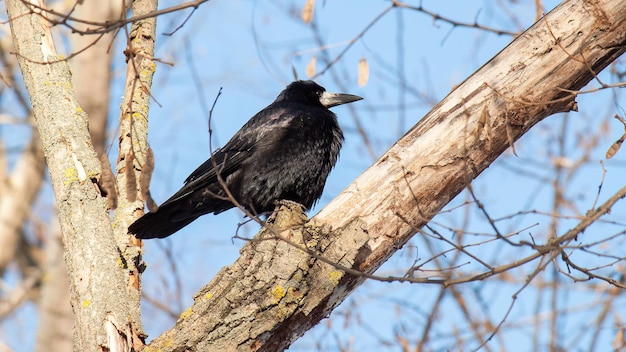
509	134
488	125
615	147
146	172
307	11
483	124
145	178
106	183
480	124
364	72
310	68
131	179
618	143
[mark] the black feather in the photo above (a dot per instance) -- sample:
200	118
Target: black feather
284	152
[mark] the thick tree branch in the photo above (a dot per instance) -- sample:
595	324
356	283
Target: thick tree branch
275	292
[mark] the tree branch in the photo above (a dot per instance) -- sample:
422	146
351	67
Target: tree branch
133	143
275	292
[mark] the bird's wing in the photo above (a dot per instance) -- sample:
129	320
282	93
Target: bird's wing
221	160
239	148
205	175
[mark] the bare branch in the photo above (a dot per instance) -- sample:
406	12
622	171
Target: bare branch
291	289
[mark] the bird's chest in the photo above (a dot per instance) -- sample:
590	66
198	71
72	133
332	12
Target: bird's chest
305	149
308	132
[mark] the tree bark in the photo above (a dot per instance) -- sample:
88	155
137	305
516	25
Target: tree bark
275	291
99	295
133	142
91	76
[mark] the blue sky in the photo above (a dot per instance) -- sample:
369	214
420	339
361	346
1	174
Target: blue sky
249	49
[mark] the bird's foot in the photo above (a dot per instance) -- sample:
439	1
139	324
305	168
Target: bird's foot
287	213
289	204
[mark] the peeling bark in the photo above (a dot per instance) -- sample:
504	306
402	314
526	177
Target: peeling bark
133	143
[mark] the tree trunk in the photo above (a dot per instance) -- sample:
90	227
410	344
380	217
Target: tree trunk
100	297
91	76
275	291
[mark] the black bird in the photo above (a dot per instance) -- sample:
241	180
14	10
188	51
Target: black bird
284	152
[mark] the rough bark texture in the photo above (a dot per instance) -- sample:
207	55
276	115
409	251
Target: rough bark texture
275	292
99	295
91	75
133	141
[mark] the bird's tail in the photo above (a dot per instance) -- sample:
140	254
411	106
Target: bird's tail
161	223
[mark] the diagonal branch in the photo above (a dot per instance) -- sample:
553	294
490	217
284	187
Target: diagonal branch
275	292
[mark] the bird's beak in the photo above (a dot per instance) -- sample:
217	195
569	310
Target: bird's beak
333	99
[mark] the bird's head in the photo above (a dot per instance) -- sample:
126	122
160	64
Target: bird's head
311	93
